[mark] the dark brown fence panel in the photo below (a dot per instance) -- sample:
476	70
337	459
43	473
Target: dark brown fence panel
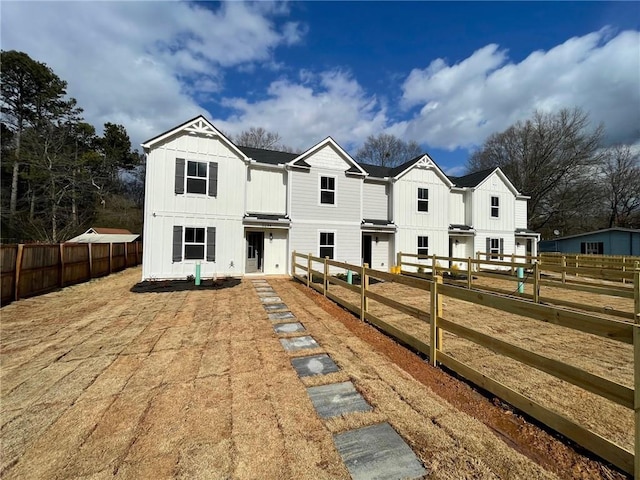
40	269
117	257
8	255
76	263
33	269
100	253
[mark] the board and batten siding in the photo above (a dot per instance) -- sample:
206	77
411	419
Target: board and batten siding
375	200
456	208
266	190
494	186
164	208
521	213
406	200
229	253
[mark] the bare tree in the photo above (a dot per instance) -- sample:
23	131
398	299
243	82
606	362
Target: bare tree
387	150
547	157
620	175
261	138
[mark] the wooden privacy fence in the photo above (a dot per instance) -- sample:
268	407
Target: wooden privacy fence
315	273
33	269
537	275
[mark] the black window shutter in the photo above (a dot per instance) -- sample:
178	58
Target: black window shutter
488	245
211	244
179	175
177	243
213	180
502	247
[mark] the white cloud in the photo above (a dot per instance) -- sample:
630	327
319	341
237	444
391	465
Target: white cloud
144	64
327	104
461	104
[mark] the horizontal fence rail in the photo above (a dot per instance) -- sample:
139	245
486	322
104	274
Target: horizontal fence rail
320	274
33	269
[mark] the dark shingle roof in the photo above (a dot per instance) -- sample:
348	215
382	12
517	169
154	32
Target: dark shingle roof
271	157
473	179
381	172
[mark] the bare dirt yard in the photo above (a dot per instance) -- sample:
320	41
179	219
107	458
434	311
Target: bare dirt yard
98	381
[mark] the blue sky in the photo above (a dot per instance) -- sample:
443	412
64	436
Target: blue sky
446	74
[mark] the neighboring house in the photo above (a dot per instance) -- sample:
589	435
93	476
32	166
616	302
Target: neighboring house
105	235
240	210
610	241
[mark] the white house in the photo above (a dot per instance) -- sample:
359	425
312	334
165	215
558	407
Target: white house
239	210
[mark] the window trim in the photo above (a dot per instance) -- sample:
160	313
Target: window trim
494	255
335	190
422	248
424	200
187	177
185	243
335	248
589	248
492	206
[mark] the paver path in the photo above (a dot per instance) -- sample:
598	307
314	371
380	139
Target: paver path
100	382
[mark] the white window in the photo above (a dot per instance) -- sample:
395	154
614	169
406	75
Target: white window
423	245
495	207
592	248
196	177
327	190
327	245
194	243
494	248
423	200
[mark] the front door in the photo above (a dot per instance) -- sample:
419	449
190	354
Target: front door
366	250
255	242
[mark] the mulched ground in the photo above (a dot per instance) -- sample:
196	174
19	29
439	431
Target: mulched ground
522	433
166	286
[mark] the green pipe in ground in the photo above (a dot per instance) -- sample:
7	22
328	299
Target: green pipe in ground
197	273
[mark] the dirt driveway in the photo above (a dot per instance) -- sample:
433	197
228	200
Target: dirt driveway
100	382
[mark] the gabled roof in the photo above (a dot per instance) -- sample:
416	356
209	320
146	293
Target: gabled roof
271	157
400	170
472	179
122	231
196	126
612	229
299	161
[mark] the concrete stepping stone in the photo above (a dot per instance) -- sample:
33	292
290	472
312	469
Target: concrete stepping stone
298	343
377	452
258	281
281	316
314	365
271	300
336	399
267	293
274	307
288	327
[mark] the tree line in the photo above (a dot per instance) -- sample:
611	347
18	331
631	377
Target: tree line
58	174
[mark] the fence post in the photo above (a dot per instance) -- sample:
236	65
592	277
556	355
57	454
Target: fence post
126	255
564	269
110	258
469	275
434	270
293	263
577	262
399	261
137	254
364	285
536	283
19	256
624	269
90	253
325	282
61	267
436	309
636	371
308	270
513	261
